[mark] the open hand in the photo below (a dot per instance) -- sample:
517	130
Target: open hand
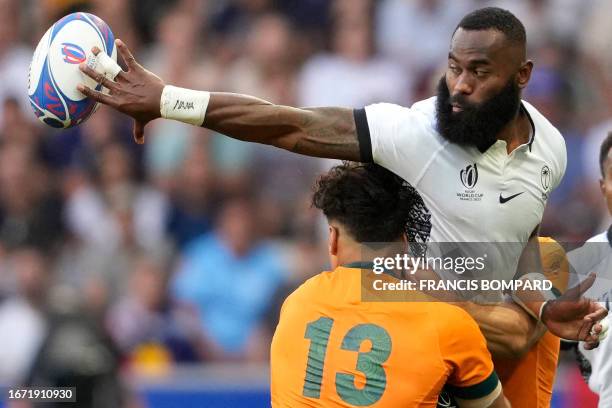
574	317
135	92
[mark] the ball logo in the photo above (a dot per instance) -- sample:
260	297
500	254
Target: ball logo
73	54
545	178
469	176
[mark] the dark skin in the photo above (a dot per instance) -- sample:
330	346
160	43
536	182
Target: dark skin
606	181
480	63
318	132
331	132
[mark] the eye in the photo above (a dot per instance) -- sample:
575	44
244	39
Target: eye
481	73
454	68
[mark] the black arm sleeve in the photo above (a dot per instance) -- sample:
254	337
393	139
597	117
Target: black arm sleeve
363	135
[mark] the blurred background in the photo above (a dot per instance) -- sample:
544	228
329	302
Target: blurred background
152	276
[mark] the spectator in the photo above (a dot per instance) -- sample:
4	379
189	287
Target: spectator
30	209
112	218
135	214
145	315
22	316
352	74
266	69
230	276
402	27
190	213
15	58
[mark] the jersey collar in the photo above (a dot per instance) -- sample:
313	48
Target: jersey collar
360	265
531	137
370	266
533	128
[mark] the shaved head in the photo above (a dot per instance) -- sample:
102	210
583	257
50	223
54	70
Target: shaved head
495	18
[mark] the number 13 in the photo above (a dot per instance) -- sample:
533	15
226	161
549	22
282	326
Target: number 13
369	363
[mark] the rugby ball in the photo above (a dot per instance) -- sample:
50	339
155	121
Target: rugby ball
54	71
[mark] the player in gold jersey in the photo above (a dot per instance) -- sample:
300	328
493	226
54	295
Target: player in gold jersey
331	349
528	381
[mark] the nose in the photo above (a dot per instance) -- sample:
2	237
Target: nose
463	85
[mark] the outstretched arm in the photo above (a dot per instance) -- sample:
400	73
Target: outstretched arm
320	132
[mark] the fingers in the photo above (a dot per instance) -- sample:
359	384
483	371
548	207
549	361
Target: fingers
586	328
599	314
592	340
139	131
95	95
591	346
593	329
98	77
126	54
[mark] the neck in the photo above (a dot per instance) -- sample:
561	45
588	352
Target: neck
361	253
516	132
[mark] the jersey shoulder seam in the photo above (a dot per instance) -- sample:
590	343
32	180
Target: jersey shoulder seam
435	154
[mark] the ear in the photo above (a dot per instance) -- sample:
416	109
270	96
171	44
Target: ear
602	186
524	74
334	235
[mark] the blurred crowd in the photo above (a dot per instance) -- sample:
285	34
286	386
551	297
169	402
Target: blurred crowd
182	250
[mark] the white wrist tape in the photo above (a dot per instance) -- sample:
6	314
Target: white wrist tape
541	310
184	105
103	64
536	281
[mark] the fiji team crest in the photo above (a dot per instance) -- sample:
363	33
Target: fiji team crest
546	179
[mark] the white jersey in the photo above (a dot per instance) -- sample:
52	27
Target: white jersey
594	256
597	368
472	196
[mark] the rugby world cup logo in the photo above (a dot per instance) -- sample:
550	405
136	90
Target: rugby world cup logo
469	176
73	54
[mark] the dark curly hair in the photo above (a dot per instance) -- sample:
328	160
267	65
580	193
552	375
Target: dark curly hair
606	145
372	203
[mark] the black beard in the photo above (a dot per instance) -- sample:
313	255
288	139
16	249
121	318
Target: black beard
476	125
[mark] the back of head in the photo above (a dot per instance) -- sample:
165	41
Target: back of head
370	202
604	154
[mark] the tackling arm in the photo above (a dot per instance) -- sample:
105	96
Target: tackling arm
510	332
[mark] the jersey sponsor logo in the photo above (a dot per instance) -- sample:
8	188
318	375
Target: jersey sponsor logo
73	54
180	105
469	178
503	200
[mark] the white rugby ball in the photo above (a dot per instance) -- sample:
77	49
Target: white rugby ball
54	71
